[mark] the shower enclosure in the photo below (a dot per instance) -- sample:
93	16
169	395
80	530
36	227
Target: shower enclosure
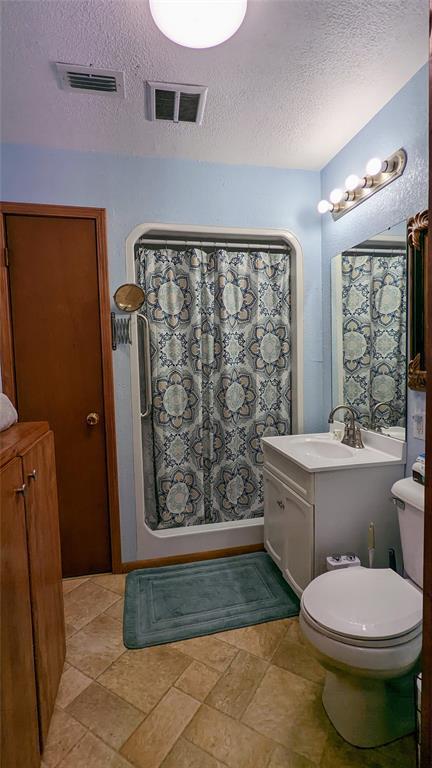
214	349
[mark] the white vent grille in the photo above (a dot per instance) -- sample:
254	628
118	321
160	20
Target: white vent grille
76	78
176	102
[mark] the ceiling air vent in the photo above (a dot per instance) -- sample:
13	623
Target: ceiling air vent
177	102
77	78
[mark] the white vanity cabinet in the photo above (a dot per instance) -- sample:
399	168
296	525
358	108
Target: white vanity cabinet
309	514
289	532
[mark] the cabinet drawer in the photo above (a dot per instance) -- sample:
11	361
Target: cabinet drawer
295	477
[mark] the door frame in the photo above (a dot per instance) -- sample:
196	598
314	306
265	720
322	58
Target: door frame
98	215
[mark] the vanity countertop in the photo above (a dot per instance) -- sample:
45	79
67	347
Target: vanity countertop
321	452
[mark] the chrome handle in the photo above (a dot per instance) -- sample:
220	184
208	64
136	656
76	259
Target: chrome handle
147	366
22	489
92	419
280	503
32	475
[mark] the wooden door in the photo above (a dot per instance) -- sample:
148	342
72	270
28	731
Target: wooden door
19	723
45	575
54	297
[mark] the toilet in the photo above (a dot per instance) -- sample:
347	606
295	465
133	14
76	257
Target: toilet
365	627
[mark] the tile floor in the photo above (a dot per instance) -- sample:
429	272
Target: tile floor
246	698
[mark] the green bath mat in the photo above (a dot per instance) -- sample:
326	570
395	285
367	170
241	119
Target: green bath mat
177	602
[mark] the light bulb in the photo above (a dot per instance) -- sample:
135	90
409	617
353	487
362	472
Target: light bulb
198	23
352	182
374	166
324	206
336	195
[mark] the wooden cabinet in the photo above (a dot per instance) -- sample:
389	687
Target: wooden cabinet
19	724
32	620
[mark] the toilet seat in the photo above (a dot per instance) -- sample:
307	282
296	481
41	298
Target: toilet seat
363	606
361	642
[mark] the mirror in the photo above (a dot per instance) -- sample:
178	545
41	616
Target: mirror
129	297
417	254
369	319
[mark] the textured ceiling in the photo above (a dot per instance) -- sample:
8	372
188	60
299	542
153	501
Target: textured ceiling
296	82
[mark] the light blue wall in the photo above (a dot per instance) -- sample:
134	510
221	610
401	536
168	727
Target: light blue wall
403	122
136	190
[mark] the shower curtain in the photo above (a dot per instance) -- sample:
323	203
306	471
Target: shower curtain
374	334
221	377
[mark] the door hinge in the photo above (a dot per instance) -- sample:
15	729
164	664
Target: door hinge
6	256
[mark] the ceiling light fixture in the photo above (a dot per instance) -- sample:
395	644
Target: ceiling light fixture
379	173
198	23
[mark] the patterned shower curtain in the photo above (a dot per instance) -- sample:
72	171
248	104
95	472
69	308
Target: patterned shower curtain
374	334
221	373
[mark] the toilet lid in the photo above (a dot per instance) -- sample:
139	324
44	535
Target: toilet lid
373	603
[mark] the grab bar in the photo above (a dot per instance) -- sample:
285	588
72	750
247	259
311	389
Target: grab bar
147	365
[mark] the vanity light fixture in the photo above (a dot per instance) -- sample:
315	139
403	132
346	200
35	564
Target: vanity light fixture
378	174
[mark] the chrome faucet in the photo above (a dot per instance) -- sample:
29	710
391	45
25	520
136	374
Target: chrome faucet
352	433
374	410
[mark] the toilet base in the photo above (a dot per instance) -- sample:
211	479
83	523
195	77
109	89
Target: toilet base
368	712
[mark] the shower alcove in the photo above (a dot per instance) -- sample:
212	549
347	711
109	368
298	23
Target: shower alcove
171	539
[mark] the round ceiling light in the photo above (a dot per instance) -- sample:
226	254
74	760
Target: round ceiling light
198	23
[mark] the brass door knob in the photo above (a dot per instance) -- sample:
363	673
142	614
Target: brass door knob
92	419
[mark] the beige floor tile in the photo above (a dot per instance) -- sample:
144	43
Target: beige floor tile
198	680
294	654
261	639
113	581
95	647
184	754
91	752
154	739
209	650
236	687
116	610
339	754
142	677
70	584
288	709
283	758
228	740
108	716
72	683
69	630
87	601
64	733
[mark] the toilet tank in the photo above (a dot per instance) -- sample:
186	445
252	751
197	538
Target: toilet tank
410	496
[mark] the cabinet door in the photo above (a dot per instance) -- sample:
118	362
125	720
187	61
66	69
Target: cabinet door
19	722
299	541
45	574
274	518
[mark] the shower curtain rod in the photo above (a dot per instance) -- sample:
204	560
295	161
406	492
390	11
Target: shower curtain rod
375	250
215	244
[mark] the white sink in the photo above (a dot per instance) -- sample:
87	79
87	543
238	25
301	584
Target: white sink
326	449
321	452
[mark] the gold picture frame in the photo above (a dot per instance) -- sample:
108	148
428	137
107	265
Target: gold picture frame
417	237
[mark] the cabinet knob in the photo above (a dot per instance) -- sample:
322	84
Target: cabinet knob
22	489
280	503
92	419
32	475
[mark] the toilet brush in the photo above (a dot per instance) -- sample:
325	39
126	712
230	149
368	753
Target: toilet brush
371	544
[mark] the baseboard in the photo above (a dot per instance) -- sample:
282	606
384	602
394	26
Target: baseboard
190	558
